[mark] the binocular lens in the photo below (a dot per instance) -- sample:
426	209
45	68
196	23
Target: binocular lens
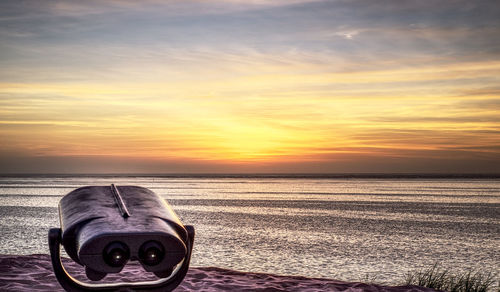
151	253
116	254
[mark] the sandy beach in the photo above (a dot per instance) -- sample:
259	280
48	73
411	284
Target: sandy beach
34	273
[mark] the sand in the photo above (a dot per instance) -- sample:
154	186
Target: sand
34	273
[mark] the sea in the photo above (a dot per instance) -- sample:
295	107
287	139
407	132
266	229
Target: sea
344	227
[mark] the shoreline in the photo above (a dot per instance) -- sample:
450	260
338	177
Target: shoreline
34	273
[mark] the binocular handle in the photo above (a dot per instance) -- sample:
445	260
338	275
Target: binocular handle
71	284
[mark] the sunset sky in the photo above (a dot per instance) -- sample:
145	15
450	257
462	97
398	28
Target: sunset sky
249	86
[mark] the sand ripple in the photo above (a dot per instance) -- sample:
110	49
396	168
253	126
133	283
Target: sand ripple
34	273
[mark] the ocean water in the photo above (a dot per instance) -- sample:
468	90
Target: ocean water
344	228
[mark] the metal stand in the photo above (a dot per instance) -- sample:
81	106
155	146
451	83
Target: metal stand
71	284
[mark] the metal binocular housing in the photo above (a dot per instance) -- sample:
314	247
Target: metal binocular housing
104	227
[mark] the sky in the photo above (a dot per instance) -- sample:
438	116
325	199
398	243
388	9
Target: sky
222	86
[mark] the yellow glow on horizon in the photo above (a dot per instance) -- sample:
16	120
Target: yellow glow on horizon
287	115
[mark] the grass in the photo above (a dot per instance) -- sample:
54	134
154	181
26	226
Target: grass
444	280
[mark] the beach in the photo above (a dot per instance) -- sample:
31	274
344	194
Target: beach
34	273
306	145
349	229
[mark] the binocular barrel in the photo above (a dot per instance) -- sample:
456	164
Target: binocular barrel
104	227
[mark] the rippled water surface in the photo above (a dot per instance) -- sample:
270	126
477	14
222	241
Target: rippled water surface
348	229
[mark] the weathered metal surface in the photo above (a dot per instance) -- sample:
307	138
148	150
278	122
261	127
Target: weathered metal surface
93	217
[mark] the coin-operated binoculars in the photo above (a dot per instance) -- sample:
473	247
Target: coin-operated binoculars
103	227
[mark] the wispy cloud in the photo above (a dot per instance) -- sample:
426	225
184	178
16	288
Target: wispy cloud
252	83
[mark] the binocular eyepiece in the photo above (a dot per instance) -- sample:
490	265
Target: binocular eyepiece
104	227
151	253
117	254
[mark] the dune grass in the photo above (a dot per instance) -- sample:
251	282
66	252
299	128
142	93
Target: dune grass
445	280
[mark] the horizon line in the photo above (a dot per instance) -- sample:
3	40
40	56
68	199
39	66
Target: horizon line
266	175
